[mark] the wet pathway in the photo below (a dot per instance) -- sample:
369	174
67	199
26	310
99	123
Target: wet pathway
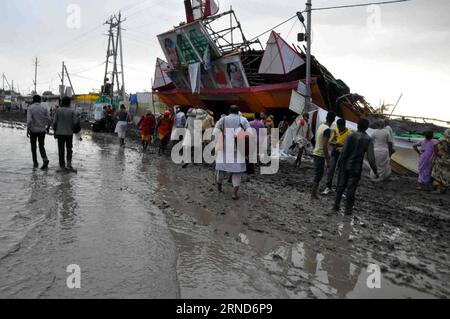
139	226
94	219
106	220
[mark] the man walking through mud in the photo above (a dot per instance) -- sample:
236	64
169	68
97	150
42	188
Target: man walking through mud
230	158
321	153
63	124
339	136
350	165
38	124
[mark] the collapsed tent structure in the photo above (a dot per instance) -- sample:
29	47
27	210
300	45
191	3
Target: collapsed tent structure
208	65
161	80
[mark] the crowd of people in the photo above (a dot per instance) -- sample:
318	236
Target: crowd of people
337	152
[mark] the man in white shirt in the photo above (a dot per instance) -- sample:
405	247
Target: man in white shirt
229	158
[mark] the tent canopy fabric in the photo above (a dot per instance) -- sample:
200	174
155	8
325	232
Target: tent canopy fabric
161	77
279	57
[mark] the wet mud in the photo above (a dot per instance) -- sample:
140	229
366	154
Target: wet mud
314	253
129	215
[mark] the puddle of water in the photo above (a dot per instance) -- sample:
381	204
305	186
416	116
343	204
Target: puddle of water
388	290
329	275
209	268
100	219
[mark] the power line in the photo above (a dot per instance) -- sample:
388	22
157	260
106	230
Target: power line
278	25
86	78
132	6
142	10
329	8
89	69
138	42
360	5
140	33
81	36
135	69
134	27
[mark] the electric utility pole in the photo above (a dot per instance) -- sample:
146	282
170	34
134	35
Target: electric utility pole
68	77
114	49
35	74
308	56
62	88
119	31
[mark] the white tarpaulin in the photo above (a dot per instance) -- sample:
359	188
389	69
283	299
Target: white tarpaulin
297	103
161	77
288	137
322	117
279	57
195	76
98	111
144	98
404	155
69	92
302	88
399	142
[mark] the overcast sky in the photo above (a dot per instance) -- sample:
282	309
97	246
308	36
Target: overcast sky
380	52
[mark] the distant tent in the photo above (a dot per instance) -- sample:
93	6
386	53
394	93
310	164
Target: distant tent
161	77
279	57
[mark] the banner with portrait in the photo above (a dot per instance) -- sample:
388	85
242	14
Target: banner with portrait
187	45
228	72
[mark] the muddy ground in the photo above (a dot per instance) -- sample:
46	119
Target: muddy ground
301	247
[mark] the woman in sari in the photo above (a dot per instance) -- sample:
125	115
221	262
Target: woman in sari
382	145
441	165
146	125
122	117
165	126
425	149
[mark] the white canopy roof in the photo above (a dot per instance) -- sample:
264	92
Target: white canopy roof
161	77
279	57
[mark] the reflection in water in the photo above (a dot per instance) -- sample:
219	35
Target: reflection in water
342	274
66	204
100	219
328	273
209	268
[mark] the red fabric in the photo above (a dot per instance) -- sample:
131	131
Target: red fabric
207	8
165	128
189	13
146	125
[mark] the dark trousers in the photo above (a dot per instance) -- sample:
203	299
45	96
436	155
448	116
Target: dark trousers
65	142
35	137
334	160
347	180
319	168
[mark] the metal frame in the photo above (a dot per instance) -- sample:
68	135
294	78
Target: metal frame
225	38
